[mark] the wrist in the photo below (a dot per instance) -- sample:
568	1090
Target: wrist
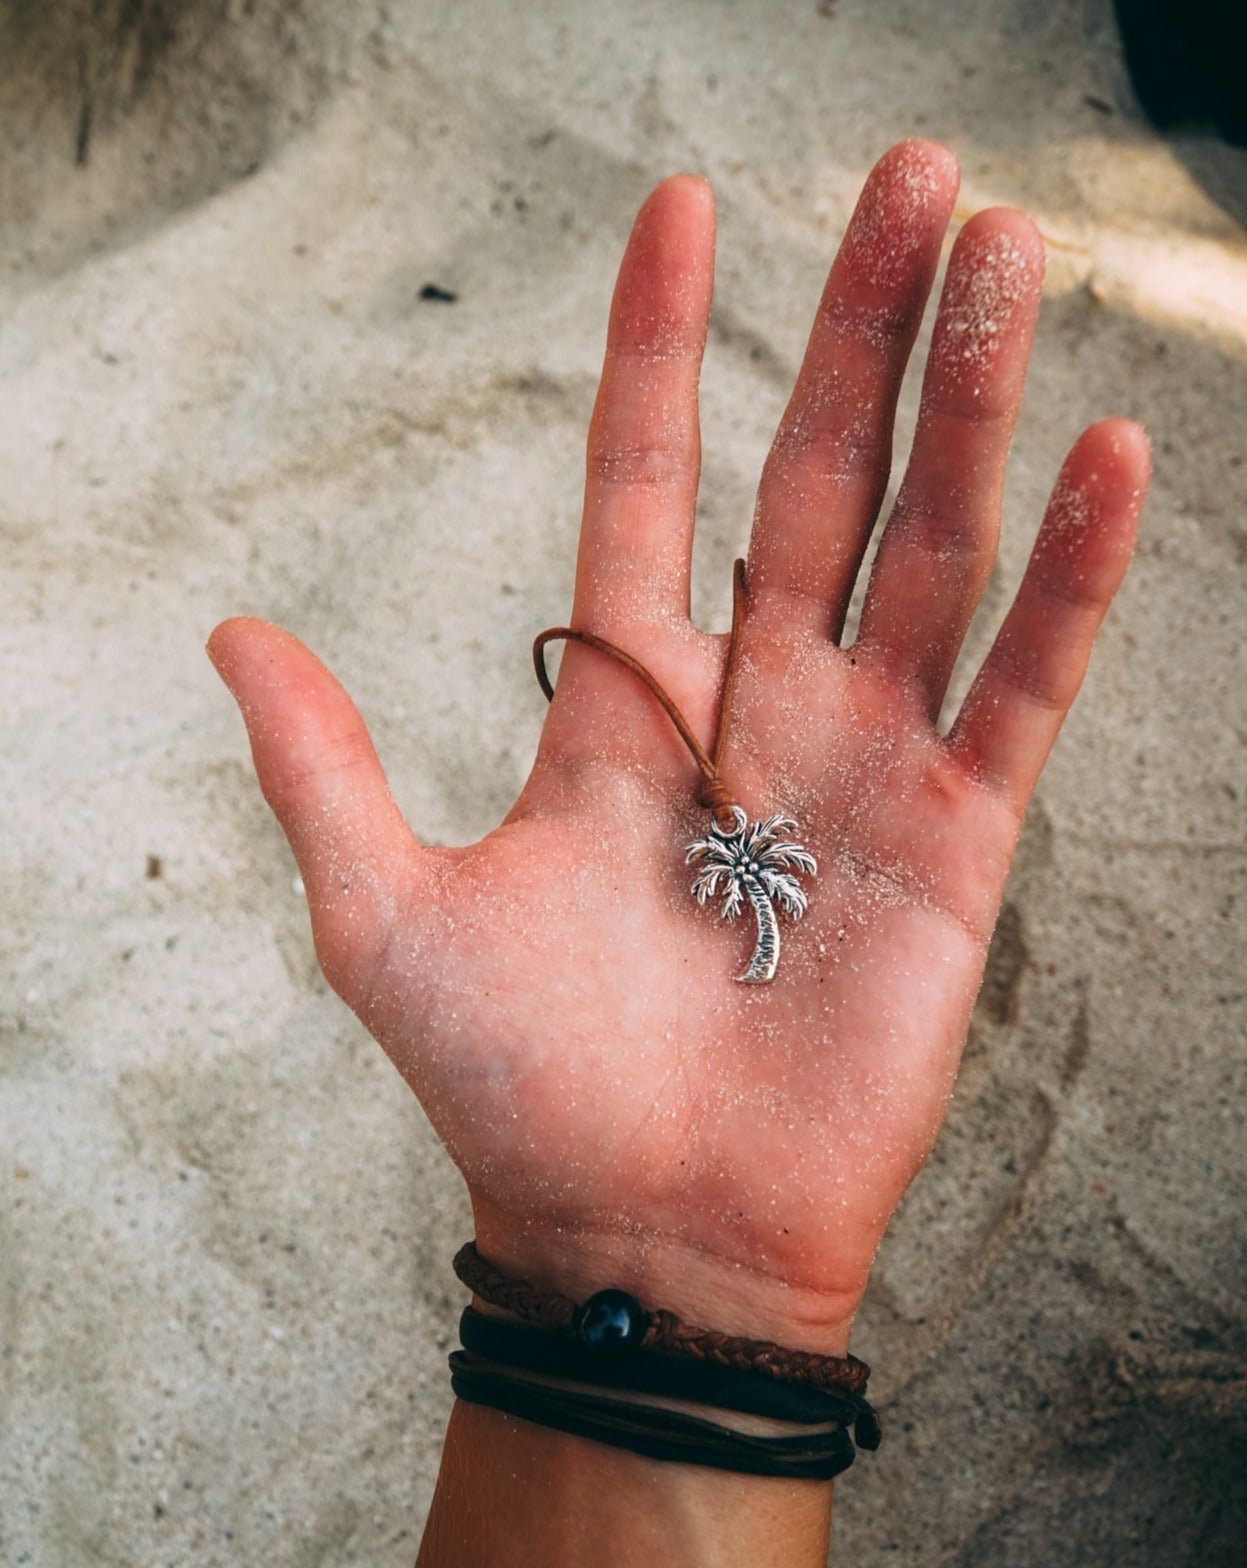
519	1491
700	1287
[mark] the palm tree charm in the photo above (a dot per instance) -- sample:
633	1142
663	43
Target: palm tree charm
751	862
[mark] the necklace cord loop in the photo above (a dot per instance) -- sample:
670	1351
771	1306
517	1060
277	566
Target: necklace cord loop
713	793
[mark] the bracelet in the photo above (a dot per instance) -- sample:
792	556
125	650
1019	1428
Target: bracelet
652	1372
612	1340
652	1431
612	1317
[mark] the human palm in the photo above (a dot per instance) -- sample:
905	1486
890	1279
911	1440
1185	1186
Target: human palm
622	1109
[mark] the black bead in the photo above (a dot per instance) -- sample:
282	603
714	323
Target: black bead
612	1321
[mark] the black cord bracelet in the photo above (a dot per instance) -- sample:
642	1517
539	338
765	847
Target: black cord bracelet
652	1372
611	1339
650	1430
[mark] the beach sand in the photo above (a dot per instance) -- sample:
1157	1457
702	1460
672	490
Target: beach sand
225	1224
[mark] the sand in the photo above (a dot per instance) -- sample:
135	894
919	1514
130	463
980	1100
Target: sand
225	1224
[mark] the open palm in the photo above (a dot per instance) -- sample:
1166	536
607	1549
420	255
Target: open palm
623	1110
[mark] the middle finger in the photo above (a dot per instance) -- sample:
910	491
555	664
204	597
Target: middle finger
827	471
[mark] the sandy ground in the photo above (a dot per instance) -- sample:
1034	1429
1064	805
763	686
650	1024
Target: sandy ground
225	1225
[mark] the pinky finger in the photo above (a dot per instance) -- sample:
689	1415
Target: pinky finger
1029	680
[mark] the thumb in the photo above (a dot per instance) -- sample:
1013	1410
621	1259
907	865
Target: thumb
320	773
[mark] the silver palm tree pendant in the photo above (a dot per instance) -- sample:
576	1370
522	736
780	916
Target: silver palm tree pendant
752	861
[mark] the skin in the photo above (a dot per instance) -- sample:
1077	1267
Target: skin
622	1110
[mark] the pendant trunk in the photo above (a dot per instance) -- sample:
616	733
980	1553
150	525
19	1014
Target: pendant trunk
762	965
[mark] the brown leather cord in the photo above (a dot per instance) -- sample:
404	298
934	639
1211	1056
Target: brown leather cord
713	792
665	1331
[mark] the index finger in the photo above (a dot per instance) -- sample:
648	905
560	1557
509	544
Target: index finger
644	448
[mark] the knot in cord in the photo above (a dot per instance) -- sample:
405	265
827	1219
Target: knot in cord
715	796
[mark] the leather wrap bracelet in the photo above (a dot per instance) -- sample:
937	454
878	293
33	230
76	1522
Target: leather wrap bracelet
652	1372
612	1340
651	1430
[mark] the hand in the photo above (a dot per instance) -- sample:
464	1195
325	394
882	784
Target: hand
623	1111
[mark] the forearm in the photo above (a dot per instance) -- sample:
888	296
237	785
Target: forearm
513	1494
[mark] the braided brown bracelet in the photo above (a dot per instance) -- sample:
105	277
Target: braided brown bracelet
660	1329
